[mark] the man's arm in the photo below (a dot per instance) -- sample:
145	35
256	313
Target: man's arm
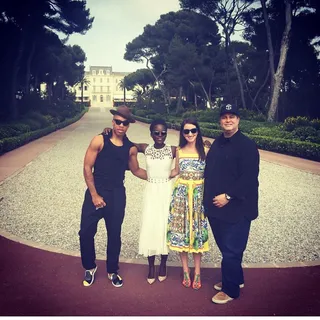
134	164
140	146
248	177
94	148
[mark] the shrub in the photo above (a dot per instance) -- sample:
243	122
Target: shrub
209	115
303	132
7	131
274	132
20	127
246	114
292	123
315	124
39	118
32	123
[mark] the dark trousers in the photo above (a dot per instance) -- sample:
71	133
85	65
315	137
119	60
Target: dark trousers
113	215
231	239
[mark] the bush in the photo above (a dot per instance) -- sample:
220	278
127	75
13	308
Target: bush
301	149
7	131
274	132
20	127
246	114
32	123
209	115
8	144
209	125
315	123
302	133
292	123
39	118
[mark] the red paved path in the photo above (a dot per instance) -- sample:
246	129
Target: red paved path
38	282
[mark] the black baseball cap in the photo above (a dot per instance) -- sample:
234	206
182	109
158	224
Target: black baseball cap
229	108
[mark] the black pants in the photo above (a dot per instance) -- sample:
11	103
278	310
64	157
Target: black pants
113	214
231	239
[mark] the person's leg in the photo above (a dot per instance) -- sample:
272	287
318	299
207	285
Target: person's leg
197	269
151	275
186	272
232	241
113	219
88	228
163	268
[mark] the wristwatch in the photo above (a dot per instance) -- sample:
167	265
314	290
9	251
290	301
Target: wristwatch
228	197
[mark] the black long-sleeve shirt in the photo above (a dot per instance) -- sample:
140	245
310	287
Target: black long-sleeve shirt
232	167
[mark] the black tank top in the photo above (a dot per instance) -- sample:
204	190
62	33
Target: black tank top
111	164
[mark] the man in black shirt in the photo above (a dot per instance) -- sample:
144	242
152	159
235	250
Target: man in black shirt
231	199
105	197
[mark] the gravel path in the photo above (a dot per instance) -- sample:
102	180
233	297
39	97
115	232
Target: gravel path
43	203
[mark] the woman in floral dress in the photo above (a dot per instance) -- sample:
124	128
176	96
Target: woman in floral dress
187	230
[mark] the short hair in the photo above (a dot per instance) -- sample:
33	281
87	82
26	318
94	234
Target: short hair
156	122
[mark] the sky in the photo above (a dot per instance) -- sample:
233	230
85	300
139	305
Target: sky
116	23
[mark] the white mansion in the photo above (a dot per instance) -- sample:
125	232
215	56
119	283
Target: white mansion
103	88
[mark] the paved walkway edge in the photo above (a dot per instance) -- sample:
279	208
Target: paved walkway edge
45	247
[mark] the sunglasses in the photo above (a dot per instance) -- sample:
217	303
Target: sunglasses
125	122
159	133
187	131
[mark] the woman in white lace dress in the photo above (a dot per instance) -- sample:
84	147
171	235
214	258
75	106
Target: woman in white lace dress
156	200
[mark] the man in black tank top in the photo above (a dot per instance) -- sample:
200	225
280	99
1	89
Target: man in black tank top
105	163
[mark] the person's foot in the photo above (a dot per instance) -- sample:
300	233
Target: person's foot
186	279
89	277
218	286
162	272
151	275
221	298
196	282
115	279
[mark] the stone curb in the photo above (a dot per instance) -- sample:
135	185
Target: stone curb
45	247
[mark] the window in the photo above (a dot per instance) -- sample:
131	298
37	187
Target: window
108	88
108	98
101	72
94	98
101	98
100	80
79	87
85	88
94	79
94	72
101	89
116	80
94	89
108	80
86	98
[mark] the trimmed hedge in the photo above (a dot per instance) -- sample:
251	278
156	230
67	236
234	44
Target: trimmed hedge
8	144
303	149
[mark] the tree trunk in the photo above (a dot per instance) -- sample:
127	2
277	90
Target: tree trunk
124	94
179	104
270	46
13	87
282	62
227	44
239	80
82	92
28	68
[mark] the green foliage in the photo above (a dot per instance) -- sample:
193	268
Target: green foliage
208	115
274	132
40	118
292	123
303	133
301	149
10	143
315	123
32	123
246	114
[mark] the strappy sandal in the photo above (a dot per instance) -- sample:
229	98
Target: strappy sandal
196	282
186	279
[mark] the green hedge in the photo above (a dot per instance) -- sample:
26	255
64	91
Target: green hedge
303	149
8	144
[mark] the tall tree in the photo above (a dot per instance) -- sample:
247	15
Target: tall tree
228	14
31	17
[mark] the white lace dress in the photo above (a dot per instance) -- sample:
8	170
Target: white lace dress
156	201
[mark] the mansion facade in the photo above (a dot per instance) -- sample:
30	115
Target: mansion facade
103	88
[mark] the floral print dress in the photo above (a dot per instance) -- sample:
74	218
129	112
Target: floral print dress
187	229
